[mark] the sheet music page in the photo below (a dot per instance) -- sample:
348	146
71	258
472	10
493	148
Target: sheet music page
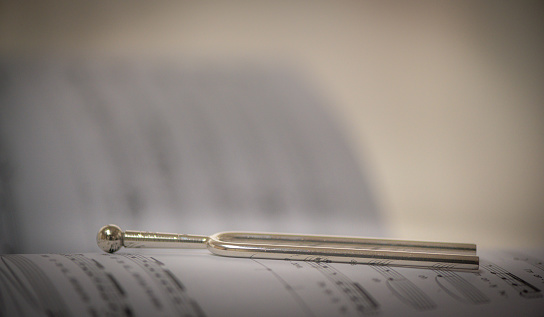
170	147
197	283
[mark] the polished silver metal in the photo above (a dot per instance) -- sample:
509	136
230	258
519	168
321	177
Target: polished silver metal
302	247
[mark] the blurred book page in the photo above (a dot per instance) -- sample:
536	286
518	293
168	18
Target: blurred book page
197	283
170	147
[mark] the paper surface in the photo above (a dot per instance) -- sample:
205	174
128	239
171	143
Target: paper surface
197	283
173	148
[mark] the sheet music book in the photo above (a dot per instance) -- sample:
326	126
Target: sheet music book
200	149
197	283
170	147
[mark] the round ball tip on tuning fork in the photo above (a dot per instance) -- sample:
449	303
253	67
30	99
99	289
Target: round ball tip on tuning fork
110	238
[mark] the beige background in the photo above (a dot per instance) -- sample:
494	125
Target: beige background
444	100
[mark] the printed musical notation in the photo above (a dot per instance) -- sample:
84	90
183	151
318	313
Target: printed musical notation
173	290
26	290
113	296
524	288
459	288
359	297
194	283
404	289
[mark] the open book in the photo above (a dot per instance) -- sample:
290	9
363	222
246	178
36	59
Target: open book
200	149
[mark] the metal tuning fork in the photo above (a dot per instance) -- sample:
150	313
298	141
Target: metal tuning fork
302	247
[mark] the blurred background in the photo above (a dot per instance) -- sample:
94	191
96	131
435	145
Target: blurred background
442	102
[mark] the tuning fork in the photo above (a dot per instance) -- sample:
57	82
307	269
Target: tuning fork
301	247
